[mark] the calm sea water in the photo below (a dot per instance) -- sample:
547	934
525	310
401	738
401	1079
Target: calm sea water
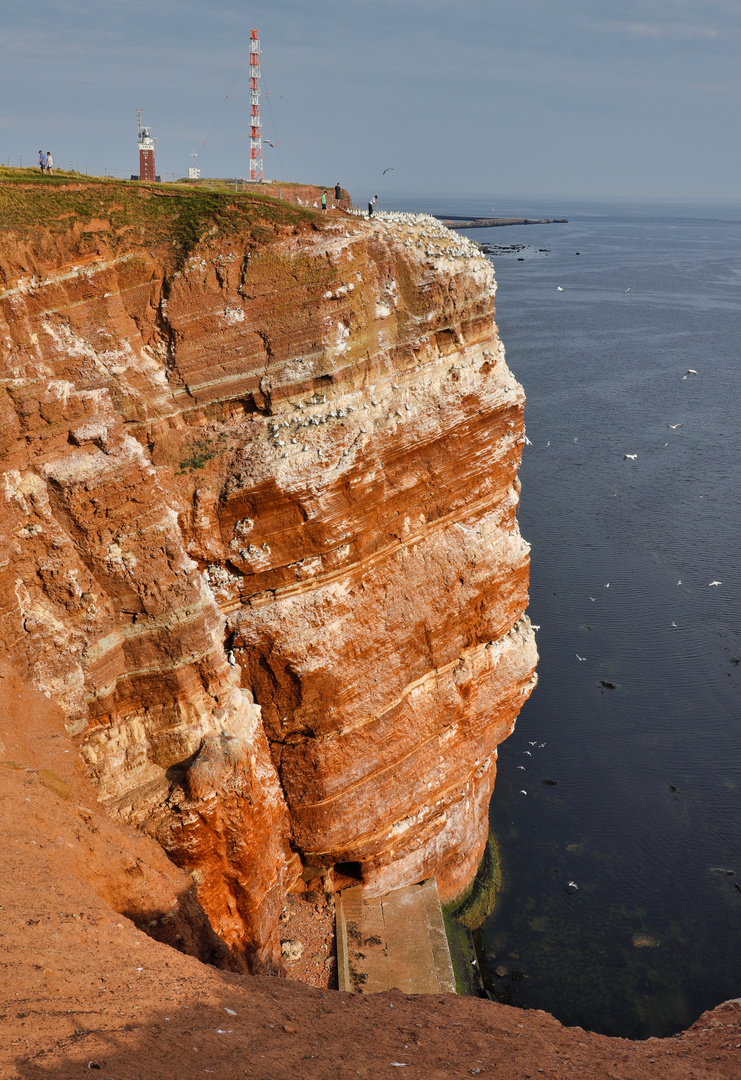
637	715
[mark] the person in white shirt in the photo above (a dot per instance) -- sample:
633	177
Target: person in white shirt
49	163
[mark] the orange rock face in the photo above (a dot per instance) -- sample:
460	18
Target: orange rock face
259	543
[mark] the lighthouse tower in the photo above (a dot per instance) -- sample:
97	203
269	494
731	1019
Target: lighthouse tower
147	147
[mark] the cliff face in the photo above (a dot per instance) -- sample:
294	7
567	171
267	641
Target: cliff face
259	537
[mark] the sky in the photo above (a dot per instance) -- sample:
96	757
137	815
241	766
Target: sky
632	99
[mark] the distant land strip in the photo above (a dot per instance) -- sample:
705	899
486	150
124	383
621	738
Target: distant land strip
495	223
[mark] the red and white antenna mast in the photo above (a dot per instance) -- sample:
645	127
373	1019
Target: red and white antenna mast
255	136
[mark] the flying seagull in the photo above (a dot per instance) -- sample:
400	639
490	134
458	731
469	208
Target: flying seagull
390	169
269	143
715	583
559	288
674	426
691	371
534	626
527	441
534	741
631	456
523	792
578	658
593	598
522	767
527	752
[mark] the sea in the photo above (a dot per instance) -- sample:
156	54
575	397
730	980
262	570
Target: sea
617	806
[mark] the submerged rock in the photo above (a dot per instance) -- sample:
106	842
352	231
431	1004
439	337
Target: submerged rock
645	941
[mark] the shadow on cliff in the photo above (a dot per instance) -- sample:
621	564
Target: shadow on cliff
262	1031
266	1029
184	927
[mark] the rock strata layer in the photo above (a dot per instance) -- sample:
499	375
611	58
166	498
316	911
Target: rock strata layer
259	541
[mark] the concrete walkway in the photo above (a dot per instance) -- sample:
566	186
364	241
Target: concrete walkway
393	940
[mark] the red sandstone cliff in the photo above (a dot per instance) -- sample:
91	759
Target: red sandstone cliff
237	429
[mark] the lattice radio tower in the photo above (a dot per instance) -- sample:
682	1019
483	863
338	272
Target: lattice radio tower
255	137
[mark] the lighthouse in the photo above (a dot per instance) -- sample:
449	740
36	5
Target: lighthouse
147	147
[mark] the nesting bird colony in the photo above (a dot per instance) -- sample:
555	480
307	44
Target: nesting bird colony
415	229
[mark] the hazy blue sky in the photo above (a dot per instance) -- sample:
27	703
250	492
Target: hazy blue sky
572	97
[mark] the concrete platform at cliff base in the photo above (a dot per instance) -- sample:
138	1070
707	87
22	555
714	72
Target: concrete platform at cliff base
395	940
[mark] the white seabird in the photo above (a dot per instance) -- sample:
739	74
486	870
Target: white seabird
715	583
631	456
580	657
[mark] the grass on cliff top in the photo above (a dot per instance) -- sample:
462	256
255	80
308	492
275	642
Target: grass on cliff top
168	216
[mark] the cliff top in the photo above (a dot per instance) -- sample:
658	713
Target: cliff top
36	210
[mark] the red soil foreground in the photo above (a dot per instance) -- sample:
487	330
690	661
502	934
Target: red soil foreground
84	990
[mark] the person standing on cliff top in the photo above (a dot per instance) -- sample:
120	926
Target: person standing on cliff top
337	193
42	161
370	208
324	202
49	163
